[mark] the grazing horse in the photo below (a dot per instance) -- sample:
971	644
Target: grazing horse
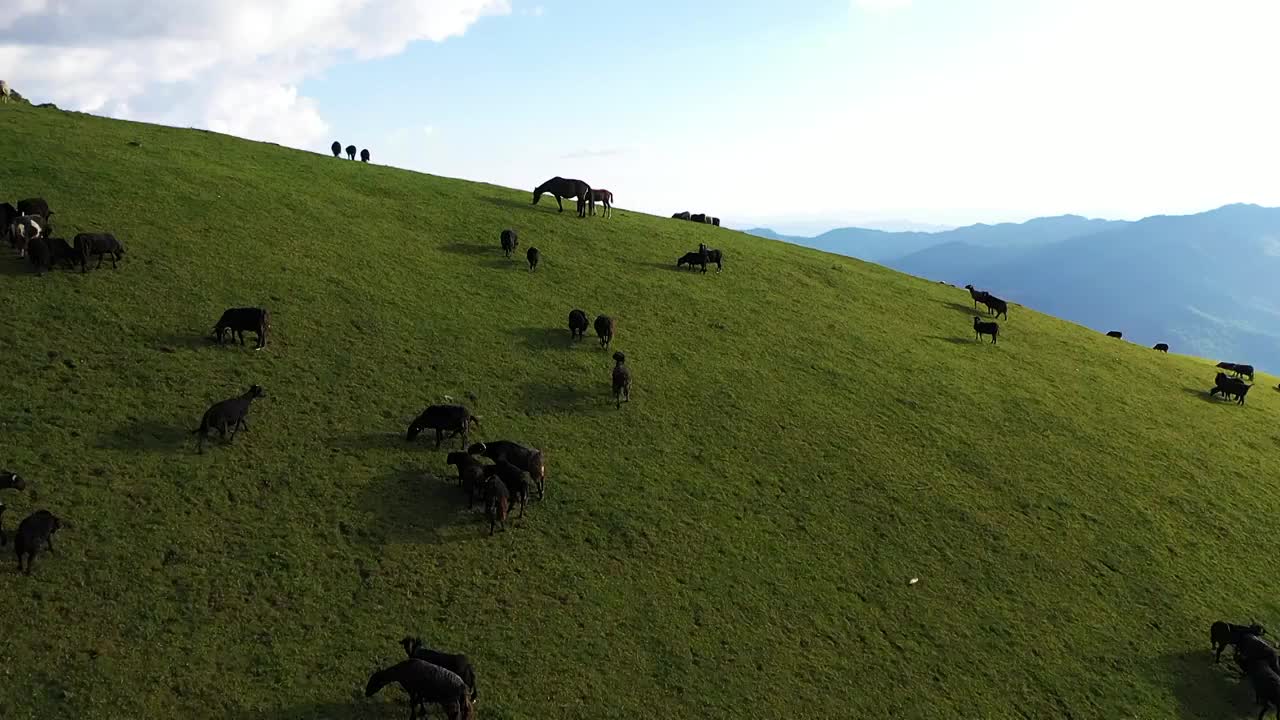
605	197
564	188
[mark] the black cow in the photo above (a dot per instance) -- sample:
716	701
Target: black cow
238	320
99	244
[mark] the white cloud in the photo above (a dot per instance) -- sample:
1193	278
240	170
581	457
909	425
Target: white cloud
232	66
880	5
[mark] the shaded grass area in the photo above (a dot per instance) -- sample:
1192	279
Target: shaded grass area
807	433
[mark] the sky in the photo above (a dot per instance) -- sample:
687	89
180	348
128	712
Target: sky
796	116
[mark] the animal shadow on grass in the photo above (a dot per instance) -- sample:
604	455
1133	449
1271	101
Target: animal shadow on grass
458	248
542	398
545	338
413	505
1205	690
967	310
16	266
672	266
170	343
957	340
1203	394
152	436
378	441
522	204
358	709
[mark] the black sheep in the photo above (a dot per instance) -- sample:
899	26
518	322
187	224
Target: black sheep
1115	334
227	414
533	257
996	306
1161	347
698	217
1230	387
456	419
351	152
510	241
512	477
497	501
681	215
1243	371
691	259
11	480
36	530
977	295
1222	634
530	460
364	155
99	244
238	320
459	664
577	324
985	328
336	148
621	380
606	328
427	684
471	474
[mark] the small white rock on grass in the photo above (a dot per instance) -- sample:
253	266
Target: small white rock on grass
913	581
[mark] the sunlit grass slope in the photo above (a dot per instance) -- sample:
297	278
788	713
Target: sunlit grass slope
807	434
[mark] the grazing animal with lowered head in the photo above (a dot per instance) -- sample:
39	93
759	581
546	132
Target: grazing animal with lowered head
512	477
237	321
577	324
34	206
1222	634
426	684
606	328
364	155
533	256
100	244
1230	387
351	152
415	648
1161	347
981	328
683	215
531	460
227	415
692	259
471	474
566	188
1115	334
510	241
33	532
621	380
454	419
336	148
1238	370
602	196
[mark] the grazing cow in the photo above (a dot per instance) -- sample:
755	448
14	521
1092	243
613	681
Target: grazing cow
621	380
426	684
1115	334
25	229
1222	634
531	460
606	327
61	251
1230	387
39	255
510	241
566	188
602	196
1238	370
715	221
691	259
336	148
238	320
533	256
34	206
100	244
1161	347
351	152
455	419
681	215
364	155
698	218
577	324
985	328
227	414
36	530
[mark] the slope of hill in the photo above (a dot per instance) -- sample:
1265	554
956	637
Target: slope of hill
807	433
1205	283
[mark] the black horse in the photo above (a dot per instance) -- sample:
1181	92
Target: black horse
563	188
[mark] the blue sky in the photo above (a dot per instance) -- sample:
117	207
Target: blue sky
801	116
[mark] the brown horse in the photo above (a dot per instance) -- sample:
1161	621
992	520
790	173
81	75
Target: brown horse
605	197
564	188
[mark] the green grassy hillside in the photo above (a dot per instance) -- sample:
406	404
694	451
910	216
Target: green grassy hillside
807	433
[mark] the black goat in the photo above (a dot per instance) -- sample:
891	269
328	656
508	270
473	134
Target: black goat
529	459
364	155
471	474
1222	634
11	480
510	241
36	530
577	324
427	684
336	148
621	380
1115	334
497	501
985	328
351	152
1161	347
533	257
459	664
100	244
238	320
227	414
606	328
512	476
456	419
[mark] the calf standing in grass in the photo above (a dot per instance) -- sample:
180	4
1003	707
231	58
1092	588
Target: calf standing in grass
577	324
238	320
606	327
36	530
497	501
227	414
456	419
621	380
981	328
533	257
510	241
99	244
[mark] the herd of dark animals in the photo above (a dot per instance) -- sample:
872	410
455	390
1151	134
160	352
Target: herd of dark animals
696	217
336	149
428	676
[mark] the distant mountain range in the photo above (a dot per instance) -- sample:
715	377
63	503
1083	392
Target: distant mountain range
1207	284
